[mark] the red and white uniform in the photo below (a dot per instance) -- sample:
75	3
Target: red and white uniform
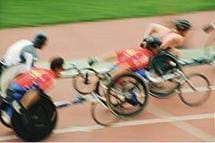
43	78
135	58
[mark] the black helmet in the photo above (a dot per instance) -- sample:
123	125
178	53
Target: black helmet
182	24
39	40
152	42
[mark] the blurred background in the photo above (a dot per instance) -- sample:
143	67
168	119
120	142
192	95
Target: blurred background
20	13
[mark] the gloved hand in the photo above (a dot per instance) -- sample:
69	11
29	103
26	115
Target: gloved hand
92	61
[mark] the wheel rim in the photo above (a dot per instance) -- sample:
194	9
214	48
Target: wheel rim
123	103
36	123
85	83
102	116
194	98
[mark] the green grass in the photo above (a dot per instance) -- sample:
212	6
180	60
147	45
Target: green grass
20	13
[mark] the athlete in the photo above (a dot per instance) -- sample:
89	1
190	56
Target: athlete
171	38
20	57
25	51
27	86
130	59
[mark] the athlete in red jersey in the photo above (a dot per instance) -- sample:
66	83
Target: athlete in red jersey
43	78
135	58
33	81
131	59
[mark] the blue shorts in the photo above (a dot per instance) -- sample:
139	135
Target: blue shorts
15	91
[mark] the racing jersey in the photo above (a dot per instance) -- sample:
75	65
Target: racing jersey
19	52
135	58
42	78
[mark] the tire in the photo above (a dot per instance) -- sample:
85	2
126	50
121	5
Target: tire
85	84
1	101
102	116
119	103
2	106
37	123
4	123
201	83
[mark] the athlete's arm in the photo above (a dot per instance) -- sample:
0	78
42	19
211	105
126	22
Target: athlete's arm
172	41
29	60
154	28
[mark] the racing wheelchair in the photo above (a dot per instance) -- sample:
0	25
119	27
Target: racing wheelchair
33	123
89	81
126	95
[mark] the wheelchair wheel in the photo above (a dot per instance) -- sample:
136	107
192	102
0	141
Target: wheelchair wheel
3	121
165	88
101	86
86	81
37	122
102	116
197	96
164	64
127	95
2	106
1	101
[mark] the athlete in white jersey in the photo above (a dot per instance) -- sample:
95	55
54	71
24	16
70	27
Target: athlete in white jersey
13	54
24	51
20	57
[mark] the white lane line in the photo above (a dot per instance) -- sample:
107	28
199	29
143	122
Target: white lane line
138	122
181	124
126	124
7	138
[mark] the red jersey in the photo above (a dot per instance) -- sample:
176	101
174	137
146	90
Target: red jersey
43	78
135	58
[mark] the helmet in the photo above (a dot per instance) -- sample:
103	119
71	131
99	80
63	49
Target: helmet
39	40
57	63
182	24
152	42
